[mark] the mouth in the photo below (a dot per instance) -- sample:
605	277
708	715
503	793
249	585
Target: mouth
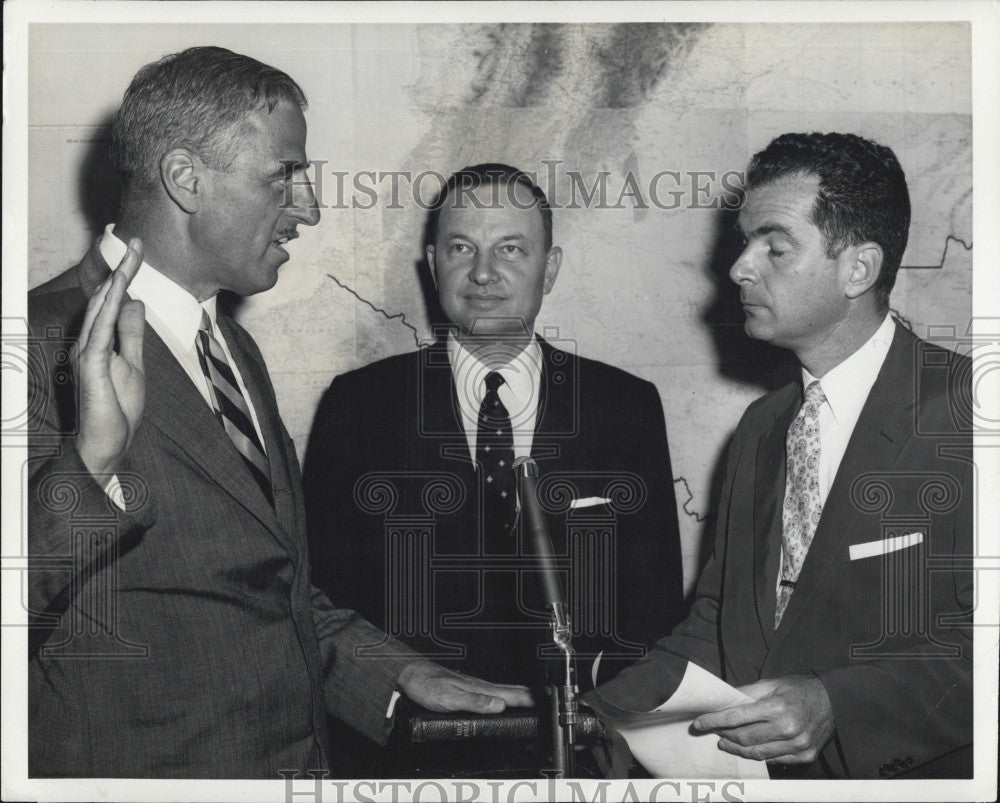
485	301
284	238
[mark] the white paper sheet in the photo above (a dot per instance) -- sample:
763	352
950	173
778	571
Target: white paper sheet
661	739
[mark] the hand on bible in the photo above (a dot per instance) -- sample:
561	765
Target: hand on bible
111	384
789	723
439	689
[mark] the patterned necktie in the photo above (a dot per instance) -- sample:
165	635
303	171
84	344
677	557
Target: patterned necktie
802	508
495	458
230	407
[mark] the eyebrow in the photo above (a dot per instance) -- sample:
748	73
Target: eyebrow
287	168
761	231
506	238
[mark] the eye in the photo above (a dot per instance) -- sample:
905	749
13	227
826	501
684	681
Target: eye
459	249
509	249
778	249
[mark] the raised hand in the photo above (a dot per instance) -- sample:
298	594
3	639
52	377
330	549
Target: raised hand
440	689
789	723
111	384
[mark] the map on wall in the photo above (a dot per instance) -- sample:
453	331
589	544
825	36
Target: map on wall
637	133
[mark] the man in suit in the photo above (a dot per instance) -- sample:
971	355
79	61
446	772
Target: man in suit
455	572
175	630
836	594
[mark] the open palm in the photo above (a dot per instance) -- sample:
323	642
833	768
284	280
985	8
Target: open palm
111	383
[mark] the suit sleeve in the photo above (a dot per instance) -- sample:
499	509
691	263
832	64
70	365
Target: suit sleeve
61	490
655	555
650	681
360	665
345	562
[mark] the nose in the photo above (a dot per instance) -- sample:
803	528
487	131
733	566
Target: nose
484	269
305	208
742	269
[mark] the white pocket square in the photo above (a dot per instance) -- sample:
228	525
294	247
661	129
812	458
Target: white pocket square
872	548
588	501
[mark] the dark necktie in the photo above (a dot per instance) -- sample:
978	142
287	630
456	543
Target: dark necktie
230	406
495	458
802	509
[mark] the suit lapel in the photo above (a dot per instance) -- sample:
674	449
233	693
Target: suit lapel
769	487
265	405
176	408
556	399
438	417
883	427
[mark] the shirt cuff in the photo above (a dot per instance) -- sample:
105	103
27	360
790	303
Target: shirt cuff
391	710
113	489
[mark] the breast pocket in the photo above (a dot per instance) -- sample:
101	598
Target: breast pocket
886	596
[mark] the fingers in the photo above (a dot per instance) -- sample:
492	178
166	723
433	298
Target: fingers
758	690
781	752
131	328
440	689
463	700
110	292
734	717
129	266
514	696
758	733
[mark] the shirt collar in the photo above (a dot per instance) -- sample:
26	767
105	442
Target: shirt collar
172	304
846	386
522	375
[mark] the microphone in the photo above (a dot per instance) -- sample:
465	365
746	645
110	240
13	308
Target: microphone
526	470
565	707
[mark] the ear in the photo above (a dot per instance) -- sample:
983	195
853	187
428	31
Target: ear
552	263
864	268
181	175
430	251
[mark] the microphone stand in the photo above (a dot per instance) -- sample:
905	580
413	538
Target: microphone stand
564	703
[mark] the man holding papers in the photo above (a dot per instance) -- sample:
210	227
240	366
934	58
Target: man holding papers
837	595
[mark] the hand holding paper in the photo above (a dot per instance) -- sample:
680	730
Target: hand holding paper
662	739
789	722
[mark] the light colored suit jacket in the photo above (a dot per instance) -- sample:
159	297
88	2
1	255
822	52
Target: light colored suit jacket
182	638
888	634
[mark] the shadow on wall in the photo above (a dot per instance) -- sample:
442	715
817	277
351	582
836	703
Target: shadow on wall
739	358
99	188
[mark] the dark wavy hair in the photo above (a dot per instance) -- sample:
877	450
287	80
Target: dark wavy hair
862	194
196	99
488	174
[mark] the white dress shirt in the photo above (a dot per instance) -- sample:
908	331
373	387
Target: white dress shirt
519	392
175	316
846	387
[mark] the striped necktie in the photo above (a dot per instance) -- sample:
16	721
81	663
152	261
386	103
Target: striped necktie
230	407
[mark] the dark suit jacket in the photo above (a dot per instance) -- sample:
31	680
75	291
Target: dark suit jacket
182	638
888	637
393	504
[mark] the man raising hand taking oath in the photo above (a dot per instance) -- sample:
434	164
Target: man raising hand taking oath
182	637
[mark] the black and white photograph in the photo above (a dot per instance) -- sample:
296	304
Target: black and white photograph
500	401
